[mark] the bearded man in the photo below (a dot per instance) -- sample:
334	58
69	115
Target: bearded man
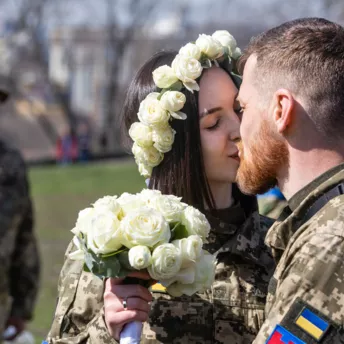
293	136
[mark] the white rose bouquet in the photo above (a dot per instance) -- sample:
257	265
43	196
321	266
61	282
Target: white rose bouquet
148	230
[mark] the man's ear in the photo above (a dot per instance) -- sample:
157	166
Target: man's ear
283	106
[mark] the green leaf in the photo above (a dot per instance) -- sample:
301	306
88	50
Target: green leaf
226	52
114	253
177	86
124	260
110	267
91	261
206	63
203	58
179	231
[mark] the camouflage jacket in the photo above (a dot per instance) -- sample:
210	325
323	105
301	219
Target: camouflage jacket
305	303
231	312
19	262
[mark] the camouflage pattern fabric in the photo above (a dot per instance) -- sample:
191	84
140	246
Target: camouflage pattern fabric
19	261
231	312
310	259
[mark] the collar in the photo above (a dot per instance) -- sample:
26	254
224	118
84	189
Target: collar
295	201
291	217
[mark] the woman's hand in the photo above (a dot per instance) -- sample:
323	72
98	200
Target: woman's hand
124	303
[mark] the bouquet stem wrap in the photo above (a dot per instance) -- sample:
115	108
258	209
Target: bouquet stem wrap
131	333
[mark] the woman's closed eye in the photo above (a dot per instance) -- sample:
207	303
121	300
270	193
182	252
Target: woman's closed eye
215	125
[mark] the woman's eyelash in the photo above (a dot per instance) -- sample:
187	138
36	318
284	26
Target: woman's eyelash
214	126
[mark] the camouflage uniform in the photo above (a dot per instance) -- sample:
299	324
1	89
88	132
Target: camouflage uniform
19	262
231	312
308	283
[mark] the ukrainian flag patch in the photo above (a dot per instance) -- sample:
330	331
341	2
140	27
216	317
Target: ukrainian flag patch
282	336
312	324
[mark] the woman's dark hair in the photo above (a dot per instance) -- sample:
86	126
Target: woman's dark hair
182	171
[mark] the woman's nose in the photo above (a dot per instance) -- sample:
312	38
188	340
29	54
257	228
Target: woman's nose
234	134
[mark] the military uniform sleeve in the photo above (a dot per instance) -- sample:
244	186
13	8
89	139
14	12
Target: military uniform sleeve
25	268
17	242
79	314
306	294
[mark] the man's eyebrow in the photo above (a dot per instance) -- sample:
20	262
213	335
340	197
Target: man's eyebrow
206	112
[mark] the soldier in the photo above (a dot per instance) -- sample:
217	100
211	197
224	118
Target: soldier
292	135
19	261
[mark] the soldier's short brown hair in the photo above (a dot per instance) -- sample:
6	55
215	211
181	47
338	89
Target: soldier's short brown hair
306	56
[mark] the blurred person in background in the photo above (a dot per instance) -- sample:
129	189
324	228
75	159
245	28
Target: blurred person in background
83	142
19	259
67	147
201	168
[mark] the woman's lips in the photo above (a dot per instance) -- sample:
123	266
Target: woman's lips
235	156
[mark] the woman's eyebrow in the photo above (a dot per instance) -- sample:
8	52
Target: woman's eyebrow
206	112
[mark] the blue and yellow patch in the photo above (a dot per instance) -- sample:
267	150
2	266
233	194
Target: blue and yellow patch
312	324
280	335
309	324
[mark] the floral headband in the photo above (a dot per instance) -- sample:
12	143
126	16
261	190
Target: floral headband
152	135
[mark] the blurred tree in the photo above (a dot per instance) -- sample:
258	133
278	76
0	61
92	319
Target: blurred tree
27	42
123	20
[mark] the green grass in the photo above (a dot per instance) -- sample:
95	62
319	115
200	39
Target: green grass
58	194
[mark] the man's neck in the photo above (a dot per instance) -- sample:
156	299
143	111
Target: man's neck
304	167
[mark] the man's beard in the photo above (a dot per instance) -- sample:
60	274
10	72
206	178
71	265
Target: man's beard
268	154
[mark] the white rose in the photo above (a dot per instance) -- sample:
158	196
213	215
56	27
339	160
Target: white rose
144	170
173	101
130	202
226	39
191	50
163	139
140	257
104	234
191	249
166	262
148	156
141	134
169	206
209	46
164	76
147	196
237	53
187	69
109	203
83	222
204	277
78	254
195	222
145	227
151	112
184	276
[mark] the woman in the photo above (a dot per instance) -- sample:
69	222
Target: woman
201	168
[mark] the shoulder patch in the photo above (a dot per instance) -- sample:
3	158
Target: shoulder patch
158	288
309	324
282	336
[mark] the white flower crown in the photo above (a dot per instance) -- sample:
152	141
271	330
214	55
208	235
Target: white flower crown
152	135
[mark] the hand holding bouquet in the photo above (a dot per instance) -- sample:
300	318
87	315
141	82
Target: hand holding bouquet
148	230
